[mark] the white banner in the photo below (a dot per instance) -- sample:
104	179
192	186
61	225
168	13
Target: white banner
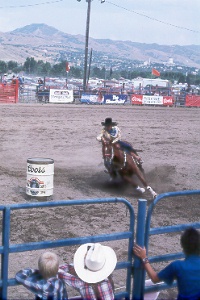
157	100
61	96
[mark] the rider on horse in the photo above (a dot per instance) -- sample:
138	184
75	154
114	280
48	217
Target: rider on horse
111	132
120	158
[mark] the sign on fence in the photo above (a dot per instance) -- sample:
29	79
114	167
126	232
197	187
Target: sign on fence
152	100
91	99
115	99
106	99
192	100
61	96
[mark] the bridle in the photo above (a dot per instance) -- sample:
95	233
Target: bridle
110	154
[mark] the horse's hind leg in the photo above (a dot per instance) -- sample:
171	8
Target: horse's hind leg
141	177
153	193
149	188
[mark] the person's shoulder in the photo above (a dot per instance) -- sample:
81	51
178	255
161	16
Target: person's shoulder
176	264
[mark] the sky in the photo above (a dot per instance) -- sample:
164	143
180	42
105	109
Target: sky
164	22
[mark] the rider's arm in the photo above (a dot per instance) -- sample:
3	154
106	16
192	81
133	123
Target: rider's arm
99	137
117	135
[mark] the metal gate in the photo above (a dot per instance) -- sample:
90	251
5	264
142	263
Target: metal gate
144	231
7	248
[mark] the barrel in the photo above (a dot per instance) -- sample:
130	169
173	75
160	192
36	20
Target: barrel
40	172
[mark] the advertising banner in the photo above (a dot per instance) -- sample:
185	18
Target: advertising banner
136	99
192	100
114	99
61	96
168	101
91	99
154	100
151	100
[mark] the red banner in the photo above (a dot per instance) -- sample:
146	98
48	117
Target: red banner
136	99
192	100
155	72
168	101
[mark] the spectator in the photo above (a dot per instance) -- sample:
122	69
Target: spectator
44	283
186	272
21	83
14	80
91	272
40	81
4	80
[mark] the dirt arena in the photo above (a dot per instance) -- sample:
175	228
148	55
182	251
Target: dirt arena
169	138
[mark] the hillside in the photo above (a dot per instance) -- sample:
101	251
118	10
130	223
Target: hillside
49	44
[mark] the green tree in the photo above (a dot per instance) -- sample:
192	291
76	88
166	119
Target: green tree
30	65
3	67
181	78
75	72
12	65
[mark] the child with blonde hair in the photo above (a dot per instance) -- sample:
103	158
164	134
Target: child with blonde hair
44	282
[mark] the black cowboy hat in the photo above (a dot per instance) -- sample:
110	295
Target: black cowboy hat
108	122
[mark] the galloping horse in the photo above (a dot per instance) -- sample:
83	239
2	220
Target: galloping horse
120	162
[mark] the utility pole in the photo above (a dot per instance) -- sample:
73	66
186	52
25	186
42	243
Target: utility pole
86	45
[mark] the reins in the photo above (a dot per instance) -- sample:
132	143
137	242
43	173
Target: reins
111	156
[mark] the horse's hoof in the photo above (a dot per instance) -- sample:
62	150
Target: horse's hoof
154	194
140	189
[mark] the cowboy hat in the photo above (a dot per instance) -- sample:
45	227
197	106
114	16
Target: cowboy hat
94	262
109	122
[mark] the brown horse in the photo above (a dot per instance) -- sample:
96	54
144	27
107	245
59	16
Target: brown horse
120	162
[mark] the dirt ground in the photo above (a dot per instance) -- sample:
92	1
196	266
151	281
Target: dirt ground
169	138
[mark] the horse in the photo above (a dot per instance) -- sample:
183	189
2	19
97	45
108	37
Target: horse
120	162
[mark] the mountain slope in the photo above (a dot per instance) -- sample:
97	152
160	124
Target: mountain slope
47	43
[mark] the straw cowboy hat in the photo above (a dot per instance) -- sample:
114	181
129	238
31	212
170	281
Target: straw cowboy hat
109	122
94	262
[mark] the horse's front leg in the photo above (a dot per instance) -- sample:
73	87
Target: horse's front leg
132	182
109	168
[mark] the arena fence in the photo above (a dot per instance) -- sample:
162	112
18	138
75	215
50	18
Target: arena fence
132	265
34	93
7	248
9	93
144	231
